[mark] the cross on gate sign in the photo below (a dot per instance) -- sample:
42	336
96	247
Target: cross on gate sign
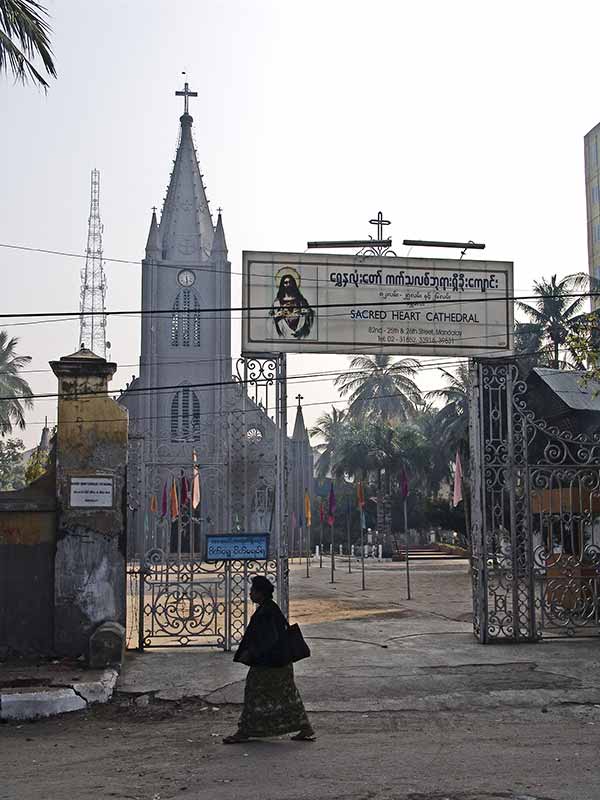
237	547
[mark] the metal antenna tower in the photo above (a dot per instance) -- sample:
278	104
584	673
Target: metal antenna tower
92	331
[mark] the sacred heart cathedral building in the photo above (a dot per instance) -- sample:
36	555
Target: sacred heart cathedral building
193	420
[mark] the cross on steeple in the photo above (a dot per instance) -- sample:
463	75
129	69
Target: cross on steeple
299	398
186	94
380	222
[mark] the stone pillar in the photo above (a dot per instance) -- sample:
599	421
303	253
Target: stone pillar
91	461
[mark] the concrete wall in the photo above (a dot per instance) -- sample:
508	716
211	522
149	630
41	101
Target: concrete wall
27	547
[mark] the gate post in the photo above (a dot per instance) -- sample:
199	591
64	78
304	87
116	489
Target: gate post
281	495
91	459
476	534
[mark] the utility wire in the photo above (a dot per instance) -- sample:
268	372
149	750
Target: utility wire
250	309
210	384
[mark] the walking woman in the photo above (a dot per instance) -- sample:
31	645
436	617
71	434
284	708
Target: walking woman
272	703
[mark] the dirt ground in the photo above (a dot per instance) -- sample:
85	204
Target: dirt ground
482	738
174	750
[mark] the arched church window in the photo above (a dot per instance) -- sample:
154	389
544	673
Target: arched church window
185	320
185	415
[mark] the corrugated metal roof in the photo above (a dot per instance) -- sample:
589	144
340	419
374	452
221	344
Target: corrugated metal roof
572	388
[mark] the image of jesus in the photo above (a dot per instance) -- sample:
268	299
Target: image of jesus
291	312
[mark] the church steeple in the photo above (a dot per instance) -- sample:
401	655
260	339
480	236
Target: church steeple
153	242
186	228
299	434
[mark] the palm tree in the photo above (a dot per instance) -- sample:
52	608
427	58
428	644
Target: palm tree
329	427
15	394
453	417
440	454
555	312
453	425
24	34
380	388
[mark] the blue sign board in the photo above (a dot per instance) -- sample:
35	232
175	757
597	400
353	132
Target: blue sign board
237	547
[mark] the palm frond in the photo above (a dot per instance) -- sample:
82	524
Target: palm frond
25	34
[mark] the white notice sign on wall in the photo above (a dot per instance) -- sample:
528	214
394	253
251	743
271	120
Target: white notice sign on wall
93	492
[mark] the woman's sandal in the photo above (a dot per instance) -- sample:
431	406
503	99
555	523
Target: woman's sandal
304	736
235	738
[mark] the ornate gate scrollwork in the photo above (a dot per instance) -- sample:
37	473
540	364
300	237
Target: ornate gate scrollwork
175	597
535	516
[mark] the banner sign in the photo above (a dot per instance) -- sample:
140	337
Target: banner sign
309	303
237	547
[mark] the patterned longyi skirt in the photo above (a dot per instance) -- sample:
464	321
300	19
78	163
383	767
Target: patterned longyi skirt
272	703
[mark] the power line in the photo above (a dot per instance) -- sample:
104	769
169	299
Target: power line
217	384
249	309
250	411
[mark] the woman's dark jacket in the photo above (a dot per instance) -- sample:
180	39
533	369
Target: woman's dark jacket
265	641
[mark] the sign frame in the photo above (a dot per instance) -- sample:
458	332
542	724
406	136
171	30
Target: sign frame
445	296
241	538
77	489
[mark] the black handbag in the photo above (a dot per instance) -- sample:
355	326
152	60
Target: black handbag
297	647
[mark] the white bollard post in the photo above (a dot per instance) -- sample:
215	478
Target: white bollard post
341	553
380	551
316	551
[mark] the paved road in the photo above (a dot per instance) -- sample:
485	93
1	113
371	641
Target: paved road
407	706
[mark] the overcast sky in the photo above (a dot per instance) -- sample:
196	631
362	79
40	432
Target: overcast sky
461	120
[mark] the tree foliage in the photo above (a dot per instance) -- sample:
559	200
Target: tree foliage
24	36
14	390
554	316
12	470
379	388
37	465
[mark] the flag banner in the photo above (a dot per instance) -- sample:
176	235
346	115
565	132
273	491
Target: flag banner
153	504
360	495
185	490
307	509
174	501
457	481
196	490
331	506
404	483
164	505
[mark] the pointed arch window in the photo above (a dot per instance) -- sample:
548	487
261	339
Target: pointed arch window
185	415
185	320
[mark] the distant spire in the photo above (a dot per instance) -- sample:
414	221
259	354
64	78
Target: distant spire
300	433
44	444
153	243
219	247
186	228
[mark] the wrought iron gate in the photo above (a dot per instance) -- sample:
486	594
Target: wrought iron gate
175	597
535	516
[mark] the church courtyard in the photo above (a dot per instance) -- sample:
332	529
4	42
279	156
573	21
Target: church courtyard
405	702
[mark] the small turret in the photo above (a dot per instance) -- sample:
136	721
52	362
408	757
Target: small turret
219	247
153	243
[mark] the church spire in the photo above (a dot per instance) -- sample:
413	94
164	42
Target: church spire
219	247
153	243
186	228
299	434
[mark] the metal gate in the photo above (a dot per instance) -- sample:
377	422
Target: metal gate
236	464
535	509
